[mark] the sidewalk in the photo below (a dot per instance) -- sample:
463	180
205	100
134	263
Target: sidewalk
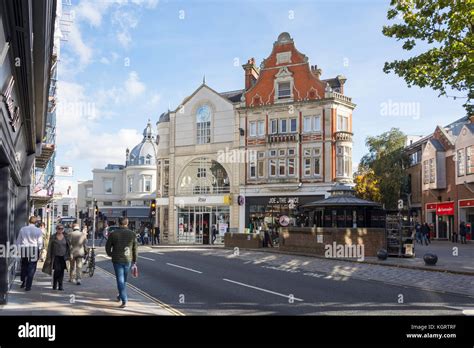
96	296
462	263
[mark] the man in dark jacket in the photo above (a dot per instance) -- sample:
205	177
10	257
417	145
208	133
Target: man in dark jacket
122	247
463	232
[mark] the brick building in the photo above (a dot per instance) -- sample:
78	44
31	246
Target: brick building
442	177
298	129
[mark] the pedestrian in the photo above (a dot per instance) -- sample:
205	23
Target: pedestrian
45	236
157	235
122	247
214	233
30	243
58	254
105	234
418	232
454	237
463	232
78	244
145	235
424	232
427	232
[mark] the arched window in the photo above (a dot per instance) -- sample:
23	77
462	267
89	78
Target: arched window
204	176
203	124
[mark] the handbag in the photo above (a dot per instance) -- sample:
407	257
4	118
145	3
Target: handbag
134	271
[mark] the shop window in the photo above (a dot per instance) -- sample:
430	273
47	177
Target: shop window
272	165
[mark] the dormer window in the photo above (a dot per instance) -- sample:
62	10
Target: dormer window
148	159
284	90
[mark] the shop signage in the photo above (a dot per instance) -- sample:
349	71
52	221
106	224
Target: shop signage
13	110
292	201
222	229
181	228
445	208
202	199
431	206
466	203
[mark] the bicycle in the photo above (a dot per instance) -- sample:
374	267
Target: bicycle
89	261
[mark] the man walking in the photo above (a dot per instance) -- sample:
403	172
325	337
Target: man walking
122	247
157	235
78	244
30	241
463	232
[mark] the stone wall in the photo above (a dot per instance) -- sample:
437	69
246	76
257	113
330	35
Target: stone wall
243	240
314	239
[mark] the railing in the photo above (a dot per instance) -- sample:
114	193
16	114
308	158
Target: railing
343	136
339	96
282	138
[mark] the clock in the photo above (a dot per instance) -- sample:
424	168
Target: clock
204	114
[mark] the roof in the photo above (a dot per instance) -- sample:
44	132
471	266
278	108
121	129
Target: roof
437	145
233	96
342	200
164	117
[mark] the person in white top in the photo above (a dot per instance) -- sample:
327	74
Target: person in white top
30	240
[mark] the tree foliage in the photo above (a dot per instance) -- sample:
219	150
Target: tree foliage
446	28
367	185
387	161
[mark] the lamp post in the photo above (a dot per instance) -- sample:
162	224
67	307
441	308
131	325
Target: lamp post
94	222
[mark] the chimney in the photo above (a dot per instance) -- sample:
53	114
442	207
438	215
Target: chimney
251	73
316	72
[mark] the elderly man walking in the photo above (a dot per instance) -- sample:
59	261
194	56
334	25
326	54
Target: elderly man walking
122	247
30	241
78	245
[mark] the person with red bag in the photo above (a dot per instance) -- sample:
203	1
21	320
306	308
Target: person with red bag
122	247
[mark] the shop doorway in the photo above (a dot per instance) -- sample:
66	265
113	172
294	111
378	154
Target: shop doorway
445	226
202	223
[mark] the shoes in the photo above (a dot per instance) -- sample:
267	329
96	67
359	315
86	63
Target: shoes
118	298
123	305
78	283
22	285
27	289
61	288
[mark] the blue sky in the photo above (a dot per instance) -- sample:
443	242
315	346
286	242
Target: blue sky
125	62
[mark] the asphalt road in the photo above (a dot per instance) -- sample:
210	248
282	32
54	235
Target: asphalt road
197	283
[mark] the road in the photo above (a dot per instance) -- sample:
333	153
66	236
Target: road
196	282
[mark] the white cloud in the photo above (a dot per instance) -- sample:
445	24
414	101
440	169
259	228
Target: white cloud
147	3
124	38
126	20
79	47
104	60
133	85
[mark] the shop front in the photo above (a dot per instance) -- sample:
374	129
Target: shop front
137	216
203	220
440	217
466	214
264	212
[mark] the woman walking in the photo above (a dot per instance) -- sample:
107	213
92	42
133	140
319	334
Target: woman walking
58	253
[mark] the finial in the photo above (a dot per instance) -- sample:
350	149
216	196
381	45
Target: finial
204	79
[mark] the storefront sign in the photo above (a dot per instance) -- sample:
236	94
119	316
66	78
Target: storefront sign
431	206
466	203
222	229
445	208
284	200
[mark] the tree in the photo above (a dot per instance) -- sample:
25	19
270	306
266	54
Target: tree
446	28
387	160
367	185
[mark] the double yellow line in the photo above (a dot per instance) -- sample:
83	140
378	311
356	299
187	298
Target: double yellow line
148	296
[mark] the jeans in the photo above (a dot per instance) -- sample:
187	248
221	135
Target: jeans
121	273
28	270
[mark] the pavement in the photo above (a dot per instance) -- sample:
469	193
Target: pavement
453	258
95	296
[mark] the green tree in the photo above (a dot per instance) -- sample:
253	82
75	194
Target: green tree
388	162
445	28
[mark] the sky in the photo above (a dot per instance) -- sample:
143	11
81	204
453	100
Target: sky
123	62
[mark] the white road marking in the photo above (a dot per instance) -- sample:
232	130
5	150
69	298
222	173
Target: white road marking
264	290
105	256
146	258
188	269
